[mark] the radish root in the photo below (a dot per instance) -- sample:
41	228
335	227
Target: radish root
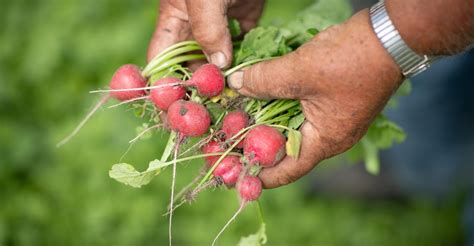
242	206
139	88
173	184
102	101
128	101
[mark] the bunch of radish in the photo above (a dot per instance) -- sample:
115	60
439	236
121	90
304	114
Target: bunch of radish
239	139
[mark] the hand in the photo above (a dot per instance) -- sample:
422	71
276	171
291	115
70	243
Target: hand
204	21
343	78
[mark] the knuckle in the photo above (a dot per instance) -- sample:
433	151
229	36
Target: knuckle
209	37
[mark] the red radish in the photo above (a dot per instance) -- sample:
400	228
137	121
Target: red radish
226	165
189	119
233	122
208	80
127	76
163	97
230	177
212	147
265	146
250	189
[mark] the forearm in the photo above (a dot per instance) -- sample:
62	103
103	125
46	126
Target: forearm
434	27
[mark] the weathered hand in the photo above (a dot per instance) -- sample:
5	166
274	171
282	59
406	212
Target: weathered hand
343	78
204	21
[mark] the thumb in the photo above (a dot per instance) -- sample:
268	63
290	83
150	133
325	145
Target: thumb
277	78
208	21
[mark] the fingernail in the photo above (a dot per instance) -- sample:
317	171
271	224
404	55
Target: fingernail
236	80
219	59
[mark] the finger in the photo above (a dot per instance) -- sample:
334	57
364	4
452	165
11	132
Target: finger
291	169
172	27
208	19
276	78
247	12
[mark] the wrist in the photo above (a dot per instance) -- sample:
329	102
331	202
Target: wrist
433	28
381	64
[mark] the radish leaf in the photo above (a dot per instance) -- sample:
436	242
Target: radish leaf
293	143
257	239
126	173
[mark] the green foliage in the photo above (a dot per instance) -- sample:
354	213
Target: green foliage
126	173
261	42
234	27
382	134
318	16
257	239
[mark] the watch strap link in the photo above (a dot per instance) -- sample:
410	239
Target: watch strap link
409	62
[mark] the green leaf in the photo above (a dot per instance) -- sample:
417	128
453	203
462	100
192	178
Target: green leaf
320	15
257	239
234	27
126	173
261	42
293	143
384	133
404	90
169	146
296	121
371	158
312	31
215	109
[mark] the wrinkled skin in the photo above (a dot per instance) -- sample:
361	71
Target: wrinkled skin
343	78
339	95
204	21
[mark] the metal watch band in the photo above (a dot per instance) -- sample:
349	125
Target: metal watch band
409	62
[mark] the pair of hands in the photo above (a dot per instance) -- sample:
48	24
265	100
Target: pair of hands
343	76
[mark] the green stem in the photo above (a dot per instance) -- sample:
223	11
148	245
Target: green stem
169	147
260	212
242	65
167	56
201	156
285	105
180	68
172	47
175	61
266	108
283	127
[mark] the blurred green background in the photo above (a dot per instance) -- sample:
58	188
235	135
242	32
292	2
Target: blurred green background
51	54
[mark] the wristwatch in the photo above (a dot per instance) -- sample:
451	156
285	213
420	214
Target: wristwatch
409	62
